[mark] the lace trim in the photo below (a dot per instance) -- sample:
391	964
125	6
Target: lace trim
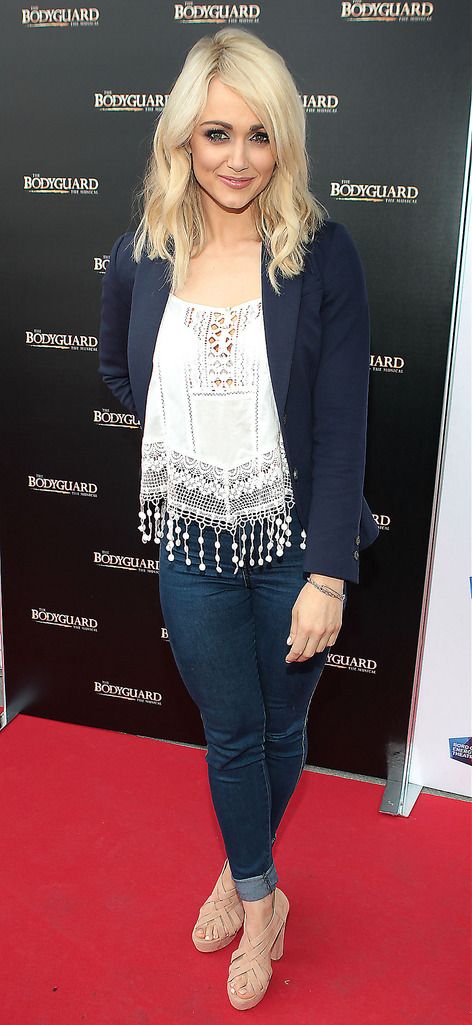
258	491
222	364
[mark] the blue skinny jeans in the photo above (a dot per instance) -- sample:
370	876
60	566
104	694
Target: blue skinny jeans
228	634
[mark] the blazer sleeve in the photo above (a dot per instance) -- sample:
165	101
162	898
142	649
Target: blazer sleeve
339	414
117	290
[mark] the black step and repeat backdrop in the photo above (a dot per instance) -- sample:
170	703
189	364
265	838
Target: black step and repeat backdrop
385	89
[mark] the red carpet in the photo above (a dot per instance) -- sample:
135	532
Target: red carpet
109	845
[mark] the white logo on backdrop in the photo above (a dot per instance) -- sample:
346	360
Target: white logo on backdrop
129	562
320	103
373	192
47	339
216	13
105	418
355	663
387	364
64	619
100	263
114	690
45	186
59	17
38	339
382	520
57	486
135	102
369	12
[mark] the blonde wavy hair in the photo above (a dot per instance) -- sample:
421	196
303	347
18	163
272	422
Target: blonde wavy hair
286	213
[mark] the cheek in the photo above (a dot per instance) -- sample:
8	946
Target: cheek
266	164
207	160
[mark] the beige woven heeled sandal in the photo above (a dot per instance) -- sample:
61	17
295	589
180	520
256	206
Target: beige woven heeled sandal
251	956
224	909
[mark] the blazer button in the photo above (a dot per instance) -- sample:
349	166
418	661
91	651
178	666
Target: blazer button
295	473
356	554
358	540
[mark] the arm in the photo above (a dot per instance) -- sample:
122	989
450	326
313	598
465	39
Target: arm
117	290
340	397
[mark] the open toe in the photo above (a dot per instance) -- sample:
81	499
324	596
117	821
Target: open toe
222	913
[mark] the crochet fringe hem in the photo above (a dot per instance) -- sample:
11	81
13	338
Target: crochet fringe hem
152	515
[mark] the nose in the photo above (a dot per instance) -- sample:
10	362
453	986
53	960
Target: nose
237	160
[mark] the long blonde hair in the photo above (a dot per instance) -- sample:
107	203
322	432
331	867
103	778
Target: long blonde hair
286	213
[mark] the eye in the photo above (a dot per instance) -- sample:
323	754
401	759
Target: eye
212	132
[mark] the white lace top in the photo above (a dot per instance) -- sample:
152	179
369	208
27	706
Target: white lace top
212	449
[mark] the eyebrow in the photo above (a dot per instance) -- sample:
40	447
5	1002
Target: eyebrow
225	124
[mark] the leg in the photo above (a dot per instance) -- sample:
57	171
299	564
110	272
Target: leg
211	630
287	688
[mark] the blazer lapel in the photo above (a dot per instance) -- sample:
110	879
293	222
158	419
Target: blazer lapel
150	294
280	314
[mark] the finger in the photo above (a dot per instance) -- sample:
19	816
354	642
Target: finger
298	647
293	627
310	649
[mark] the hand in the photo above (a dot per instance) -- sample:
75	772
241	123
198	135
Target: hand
316	620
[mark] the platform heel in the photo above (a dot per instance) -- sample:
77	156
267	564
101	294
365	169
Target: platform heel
278	948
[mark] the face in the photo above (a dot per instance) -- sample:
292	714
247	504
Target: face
237	151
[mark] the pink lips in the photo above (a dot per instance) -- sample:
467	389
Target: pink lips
235	183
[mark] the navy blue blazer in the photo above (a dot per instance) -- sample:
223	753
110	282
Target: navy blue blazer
318	347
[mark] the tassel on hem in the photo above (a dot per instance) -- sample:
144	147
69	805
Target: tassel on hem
152	515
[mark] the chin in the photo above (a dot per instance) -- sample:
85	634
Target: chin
230	197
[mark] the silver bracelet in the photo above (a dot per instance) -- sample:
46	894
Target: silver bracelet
326	588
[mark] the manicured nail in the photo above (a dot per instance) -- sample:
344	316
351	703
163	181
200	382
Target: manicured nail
289	639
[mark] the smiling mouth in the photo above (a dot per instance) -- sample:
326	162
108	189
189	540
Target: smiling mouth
228	178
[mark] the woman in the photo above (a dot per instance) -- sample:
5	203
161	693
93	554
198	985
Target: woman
235	325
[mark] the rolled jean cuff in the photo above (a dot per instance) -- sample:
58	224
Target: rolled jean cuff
257	886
